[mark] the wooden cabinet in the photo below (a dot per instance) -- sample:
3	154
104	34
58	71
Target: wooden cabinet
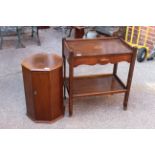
43	84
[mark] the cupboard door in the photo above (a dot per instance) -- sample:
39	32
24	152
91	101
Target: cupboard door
41	89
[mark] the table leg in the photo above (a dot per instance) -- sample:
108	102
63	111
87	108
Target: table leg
64	69
129	80
64	72
70	89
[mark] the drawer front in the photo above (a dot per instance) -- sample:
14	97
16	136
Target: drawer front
102	59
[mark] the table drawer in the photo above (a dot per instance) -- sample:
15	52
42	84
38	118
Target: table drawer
102	59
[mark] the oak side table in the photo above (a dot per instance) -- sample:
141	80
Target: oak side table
97	51
43	84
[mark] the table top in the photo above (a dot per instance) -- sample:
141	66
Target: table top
42	62
95	47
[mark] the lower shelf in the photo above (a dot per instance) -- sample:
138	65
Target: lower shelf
96	85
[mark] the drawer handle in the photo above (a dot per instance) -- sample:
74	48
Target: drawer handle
104	59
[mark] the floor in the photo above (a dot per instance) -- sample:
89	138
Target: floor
89	112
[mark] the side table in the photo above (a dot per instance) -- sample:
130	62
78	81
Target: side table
97	51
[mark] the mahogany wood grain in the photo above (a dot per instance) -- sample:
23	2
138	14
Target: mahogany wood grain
100	59
129	80
64	69
97	51
42	62
96	85
94	47
43	84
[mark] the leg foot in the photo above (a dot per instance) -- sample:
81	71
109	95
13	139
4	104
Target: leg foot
70	108
125	103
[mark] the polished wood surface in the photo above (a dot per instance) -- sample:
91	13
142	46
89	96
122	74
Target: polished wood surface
102	59
92	85
43	84
42	62
97	51
95	47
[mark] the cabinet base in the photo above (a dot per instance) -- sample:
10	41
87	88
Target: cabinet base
48	122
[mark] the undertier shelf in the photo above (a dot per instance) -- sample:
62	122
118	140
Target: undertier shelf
96	85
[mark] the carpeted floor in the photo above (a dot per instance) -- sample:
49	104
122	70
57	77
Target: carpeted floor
89	112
